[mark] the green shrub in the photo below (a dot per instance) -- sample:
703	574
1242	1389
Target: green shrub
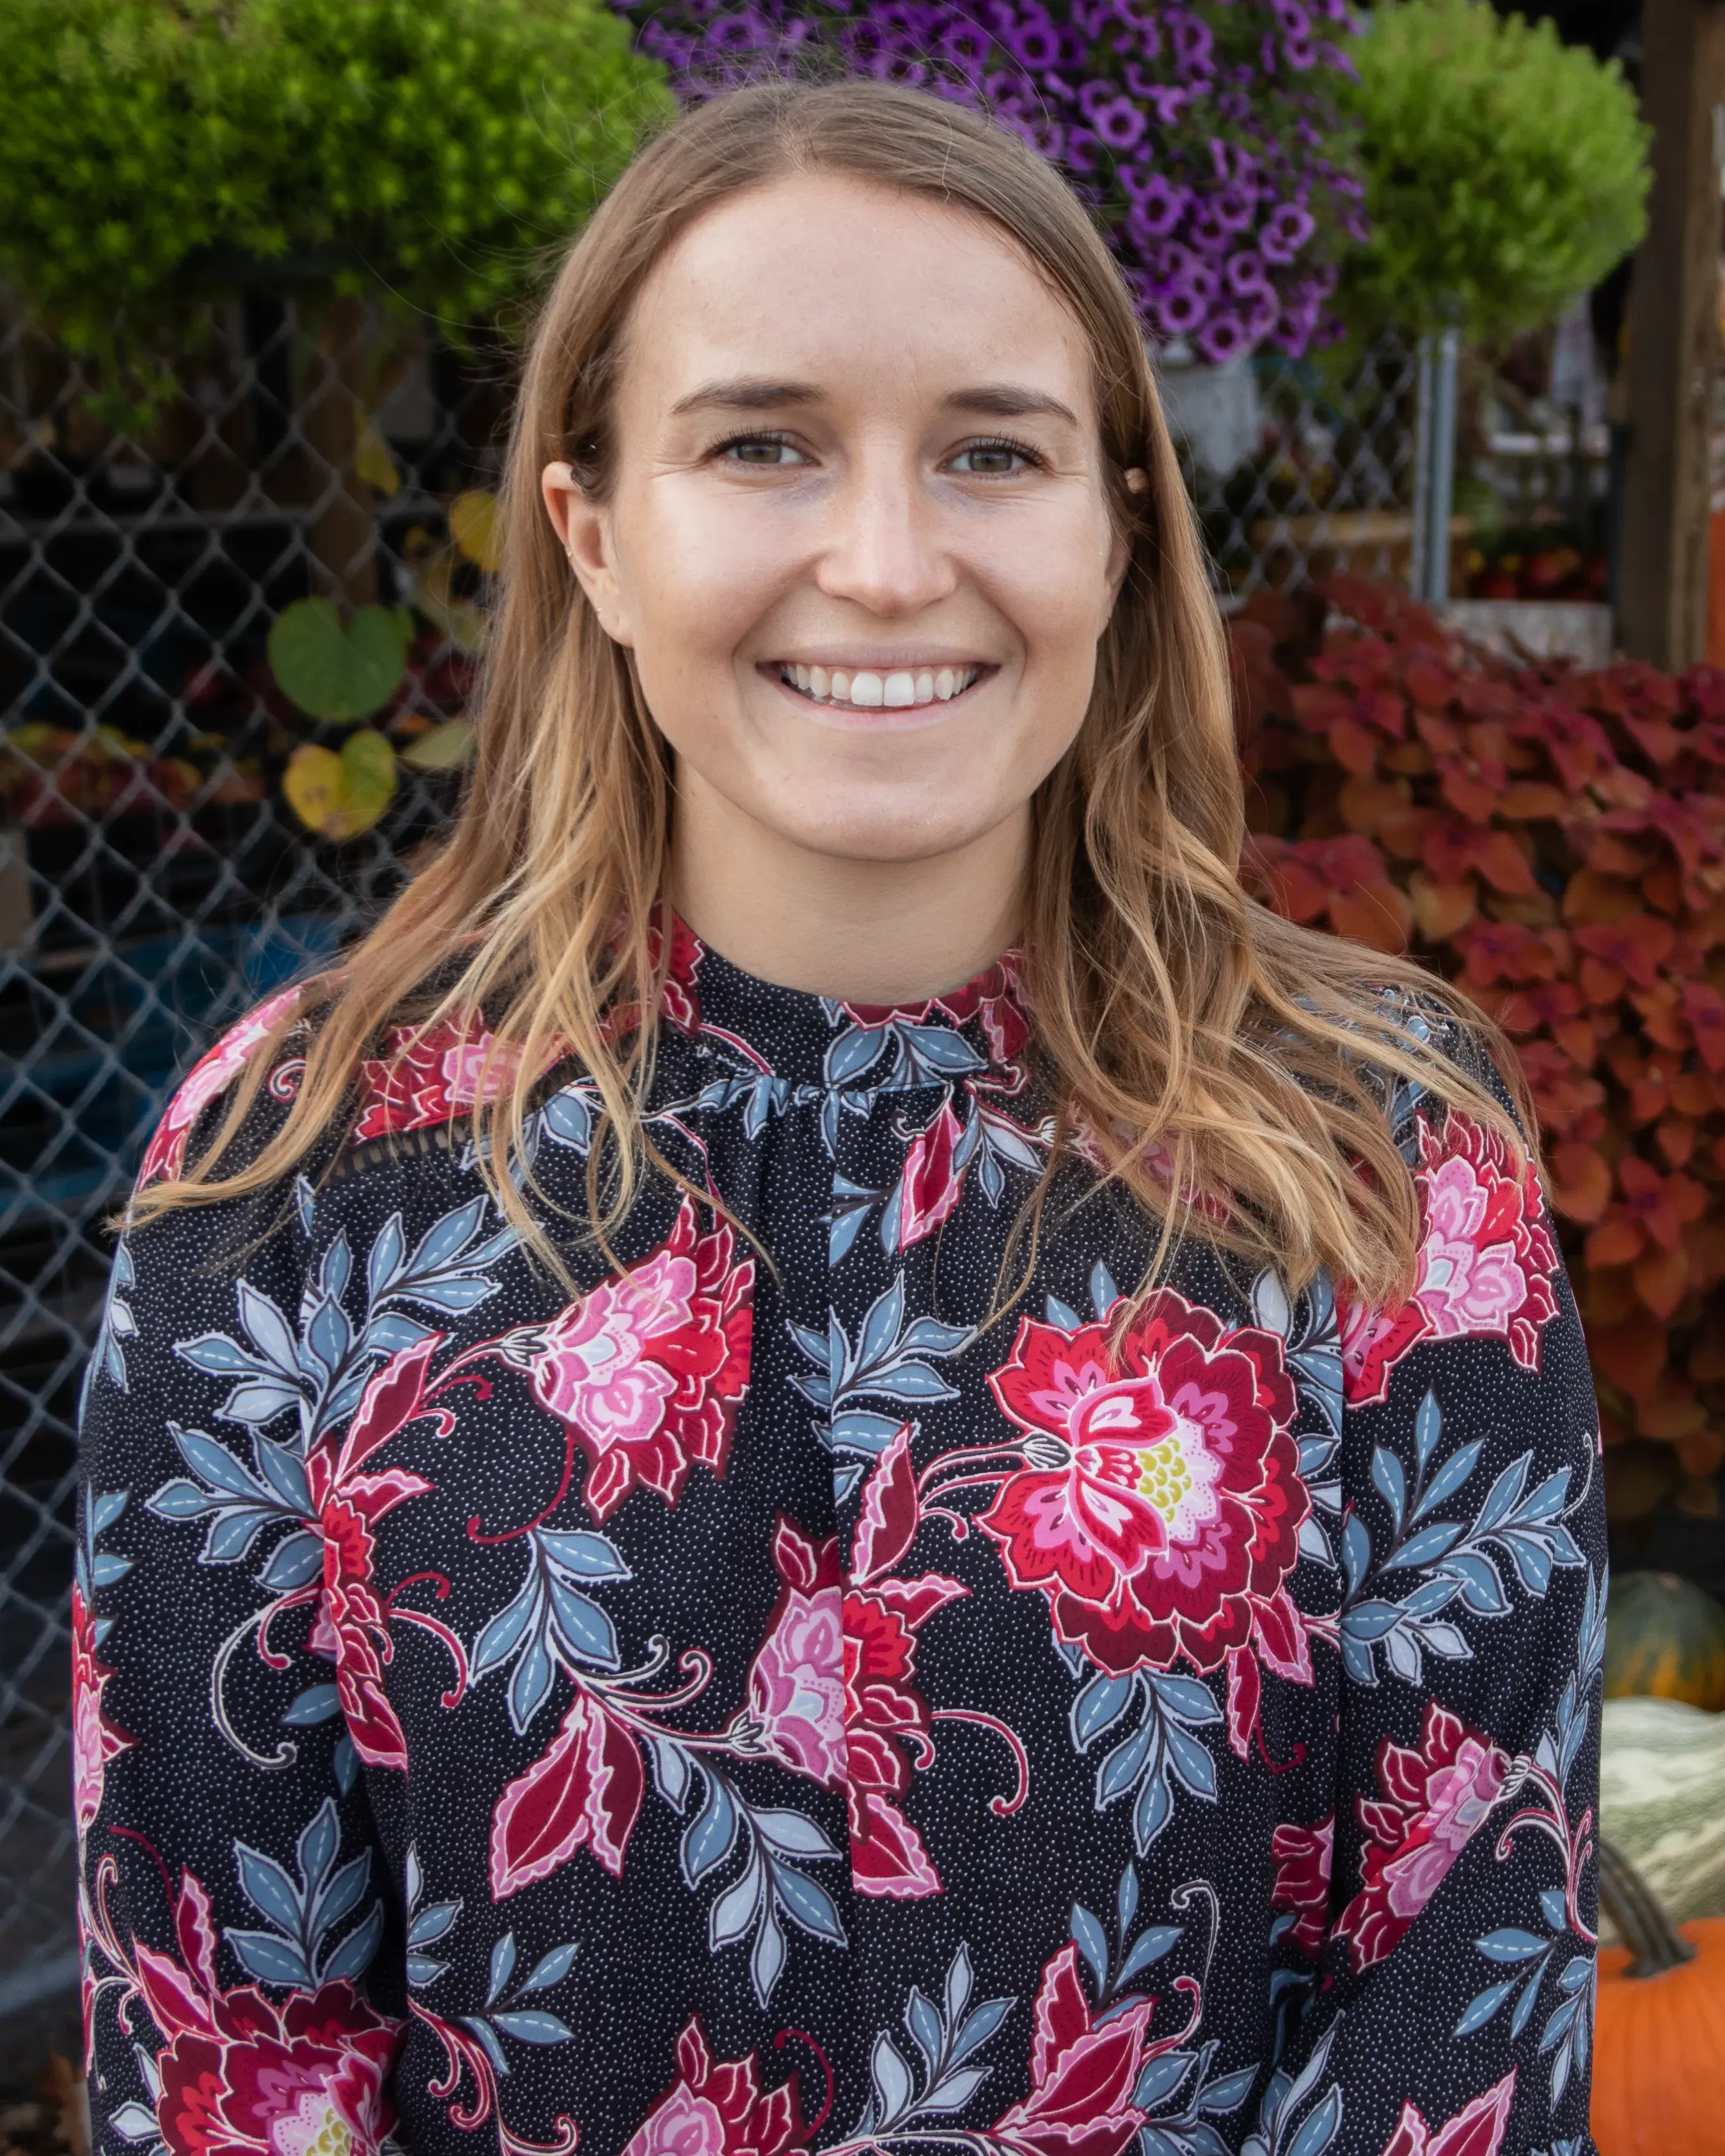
431	150
1506	173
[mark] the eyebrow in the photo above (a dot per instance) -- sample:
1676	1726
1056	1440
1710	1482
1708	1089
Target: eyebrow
996	400
747	393
1005	400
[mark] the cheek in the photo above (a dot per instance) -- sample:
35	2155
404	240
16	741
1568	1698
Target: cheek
695	577
1052	585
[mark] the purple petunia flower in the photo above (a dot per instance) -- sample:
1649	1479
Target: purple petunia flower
1243	272
1178	314
1222	338
1285	233
1121	124
1194	48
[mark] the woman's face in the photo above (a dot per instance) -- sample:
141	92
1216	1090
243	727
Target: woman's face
859	540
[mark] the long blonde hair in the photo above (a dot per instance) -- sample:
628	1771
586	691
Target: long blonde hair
1213	1052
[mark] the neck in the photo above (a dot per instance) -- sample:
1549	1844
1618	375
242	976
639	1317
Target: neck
868	932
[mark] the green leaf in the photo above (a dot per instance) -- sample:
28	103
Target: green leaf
340	676
443	749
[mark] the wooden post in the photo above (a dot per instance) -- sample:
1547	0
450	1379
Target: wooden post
343	538
1674	338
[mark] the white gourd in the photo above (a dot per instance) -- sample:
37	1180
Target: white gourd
1663	1800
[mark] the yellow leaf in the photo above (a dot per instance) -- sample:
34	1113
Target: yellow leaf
374	463
312	783
367	783
442	748
473	526
338	797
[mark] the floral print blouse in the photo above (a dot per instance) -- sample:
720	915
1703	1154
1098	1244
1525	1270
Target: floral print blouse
770	1700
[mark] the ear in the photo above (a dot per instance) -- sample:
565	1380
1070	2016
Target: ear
583	530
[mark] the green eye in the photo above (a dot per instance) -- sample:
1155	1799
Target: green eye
762	449
990	460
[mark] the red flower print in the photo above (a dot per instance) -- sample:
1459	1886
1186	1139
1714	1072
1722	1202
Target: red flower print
241	2073
427	1076
352	1624
929	1188
584	1792
832	1696
1160	1506
1082	2077
95	1739
884	1712
206	1081
996	997
1486	1266
648	1370
1303	1857
679	1001
1476	2131
717	2109
1434	1801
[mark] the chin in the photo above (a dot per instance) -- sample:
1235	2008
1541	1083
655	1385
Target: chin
887	832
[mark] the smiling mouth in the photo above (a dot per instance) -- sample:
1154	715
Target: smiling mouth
902	689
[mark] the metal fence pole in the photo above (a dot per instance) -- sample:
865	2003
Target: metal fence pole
1419	573
1441	483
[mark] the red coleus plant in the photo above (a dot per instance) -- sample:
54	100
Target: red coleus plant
1552	837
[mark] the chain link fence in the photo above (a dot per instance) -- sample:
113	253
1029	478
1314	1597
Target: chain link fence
153	881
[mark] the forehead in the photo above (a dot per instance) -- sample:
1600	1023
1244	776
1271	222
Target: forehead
837	282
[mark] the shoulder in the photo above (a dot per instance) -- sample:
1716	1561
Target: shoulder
210	1077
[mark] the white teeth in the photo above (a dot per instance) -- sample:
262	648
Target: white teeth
864	691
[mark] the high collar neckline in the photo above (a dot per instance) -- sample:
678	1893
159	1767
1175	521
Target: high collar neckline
983	1025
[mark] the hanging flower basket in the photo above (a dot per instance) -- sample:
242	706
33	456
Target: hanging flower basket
1204	135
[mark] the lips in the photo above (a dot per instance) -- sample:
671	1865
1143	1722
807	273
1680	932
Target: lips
868	689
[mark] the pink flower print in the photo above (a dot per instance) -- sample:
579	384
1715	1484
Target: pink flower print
208	1079
1486	1268
648	1370
717	2107
595	1371
1460	1796
473	1065
684	2125
1432	1803
95	1739
1475	2130
797	1685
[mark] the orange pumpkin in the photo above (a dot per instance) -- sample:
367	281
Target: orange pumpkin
1659	2038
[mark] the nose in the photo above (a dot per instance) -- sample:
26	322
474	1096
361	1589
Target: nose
884	550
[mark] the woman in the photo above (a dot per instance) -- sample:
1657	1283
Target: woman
734	1501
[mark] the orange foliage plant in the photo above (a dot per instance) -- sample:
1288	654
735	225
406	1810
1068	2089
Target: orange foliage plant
1552	837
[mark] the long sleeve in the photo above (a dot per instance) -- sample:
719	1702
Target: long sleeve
1450	2011
232	1899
